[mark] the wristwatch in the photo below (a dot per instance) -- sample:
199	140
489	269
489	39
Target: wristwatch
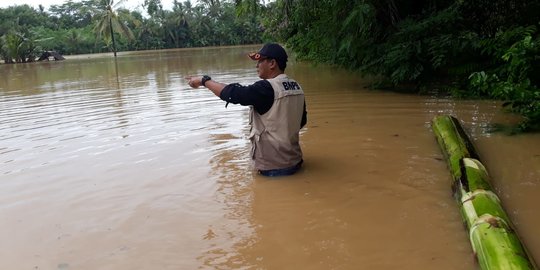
204	79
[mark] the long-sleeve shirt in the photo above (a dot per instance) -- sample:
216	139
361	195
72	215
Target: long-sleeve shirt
260	95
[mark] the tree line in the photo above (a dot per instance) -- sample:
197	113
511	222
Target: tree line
474	48
80	27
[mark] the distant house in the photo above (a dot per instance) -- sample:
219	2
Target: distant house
46	55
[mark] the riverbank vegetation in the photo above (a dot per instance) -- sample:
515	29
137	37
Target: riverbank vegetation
473	49
476	48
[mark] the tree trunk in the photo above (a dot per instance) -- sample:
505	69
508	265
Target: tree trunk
112	37
493	238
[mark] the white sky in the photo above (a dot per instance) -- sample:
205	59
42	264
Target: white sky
130	4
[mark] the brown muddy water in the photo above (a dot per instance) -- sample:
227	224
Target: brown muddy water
108	165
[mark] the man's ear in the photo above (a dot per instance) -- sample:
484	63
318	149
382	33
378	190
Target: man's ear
273	64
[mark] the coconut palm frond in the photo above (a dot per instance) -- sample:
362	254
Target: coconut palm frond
123	29
108	22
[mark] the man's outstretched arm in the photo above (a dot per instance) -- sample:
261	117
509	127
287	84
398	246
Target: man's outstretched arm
215	87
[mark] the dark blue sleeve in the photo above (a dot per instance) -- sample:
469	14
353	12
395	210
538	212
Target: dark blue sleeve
260	95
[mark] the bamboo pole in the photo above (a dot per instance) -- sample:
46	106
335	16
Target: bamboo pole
493	238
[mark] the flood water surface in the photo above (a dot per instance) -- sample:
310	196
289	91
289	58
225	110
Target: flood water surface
120	165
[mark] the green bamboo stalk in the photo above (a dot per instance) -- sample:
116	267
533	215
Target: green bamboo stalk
453	141
493	238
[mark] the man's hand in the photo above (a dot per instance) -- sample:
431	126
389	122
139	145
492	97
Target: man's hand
215	87
194	81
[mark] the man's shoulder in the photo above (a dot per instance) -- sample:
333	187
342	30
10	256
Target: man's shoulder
263	86
262	83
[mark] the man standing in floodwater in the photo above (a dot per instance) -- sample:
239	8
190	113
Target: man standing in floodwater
277	111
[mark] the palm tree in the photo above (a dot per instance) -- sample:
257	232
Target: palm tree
16	46
109	22
176	24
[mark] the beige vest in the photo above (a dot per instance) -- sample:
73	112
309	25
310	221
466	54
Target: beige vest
274	135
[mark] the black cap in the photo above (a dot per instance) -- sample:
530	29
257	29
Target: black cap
274	51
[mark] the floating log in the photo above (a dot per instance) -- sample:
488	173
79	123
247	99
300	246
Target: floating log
493	238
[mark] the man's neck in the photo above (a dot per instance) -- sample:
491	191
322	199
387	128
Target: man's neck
275	74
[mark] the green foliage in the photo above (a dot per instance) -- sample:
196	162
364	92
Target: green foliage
516	79
73	14
20	18
478	48
65	41
489	18
69	28
109	22
16	47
